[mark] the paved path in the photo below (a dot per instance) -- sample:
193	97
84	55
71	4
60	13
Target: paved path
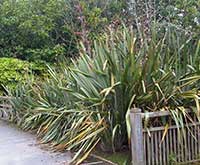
19	148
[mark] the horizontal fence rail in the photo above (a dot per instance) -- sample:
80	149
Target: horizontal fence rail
151	147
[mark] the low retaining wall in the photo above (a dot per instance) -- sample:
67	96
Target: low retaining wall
5	108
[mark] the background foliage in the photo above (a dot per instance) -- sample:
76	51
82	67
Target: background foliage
49	30
185	14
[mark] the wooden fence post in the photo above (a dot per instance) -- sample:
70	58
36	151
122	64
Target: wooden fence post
137	137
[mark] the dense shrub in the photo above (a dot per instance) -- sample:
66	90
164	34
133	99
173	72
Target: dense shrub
35	30
94	14
14	71
47	30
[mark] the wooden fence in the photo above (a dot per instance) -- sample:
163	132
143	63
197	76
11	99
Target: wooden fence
150	148
5	107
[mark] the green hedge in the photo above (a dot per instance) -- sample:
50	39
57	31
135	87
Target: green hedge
14	71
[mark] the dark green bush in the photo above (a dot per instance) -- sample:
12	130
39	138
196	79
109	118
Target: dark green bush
47	30
35	30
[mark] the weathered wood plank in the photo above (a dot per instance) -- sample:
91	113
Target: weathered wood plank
156	148
162	128
148	150
137	137
152	148
167	148
174	141
159	114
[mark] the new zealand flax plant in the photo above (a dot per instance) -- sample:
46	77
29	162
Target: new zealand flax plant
123	75
88	104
